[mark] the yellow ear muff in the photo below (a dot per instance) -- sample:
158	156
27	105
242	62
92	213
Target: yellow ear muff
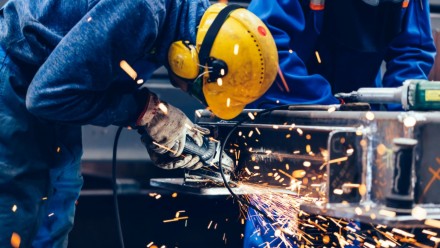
183	59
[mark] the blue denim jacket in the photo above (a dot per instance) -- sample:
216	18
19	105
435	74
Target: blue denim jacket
74	50
59	69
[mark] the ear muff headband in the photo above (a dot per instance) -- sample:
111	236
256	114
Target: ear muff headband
211	34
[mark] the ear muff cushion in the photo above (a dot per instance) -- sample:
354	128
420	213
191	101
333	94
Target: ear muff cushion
183	60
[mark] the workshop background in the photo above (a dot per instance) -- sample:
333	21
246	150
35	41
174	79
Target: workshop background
213	221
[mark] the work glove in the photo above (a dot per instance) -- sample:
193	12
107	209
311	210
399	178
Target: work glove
164	129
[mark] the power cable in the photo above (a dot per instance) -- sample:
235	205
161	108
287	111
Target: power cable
115	189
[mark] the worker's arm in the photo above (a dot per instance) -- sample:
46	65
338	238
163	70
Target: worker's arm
77	82
411	54
286	20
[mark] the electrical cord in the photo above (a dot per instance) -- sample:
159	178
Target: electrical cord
115	189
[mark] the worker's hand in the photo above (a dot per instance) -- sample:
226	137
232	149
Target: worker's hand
167	127
164	129
165	161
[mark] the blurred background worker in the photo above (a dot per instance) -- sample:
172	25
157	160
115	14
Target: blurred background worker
326	47
67	64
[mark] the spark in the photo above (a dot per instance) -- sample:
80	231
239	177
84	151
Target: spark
300	131
409	121
174	195
176	219
164	147
228	102
331	109
140	81
381	149
307	164
299	173
128	69
199	113
435	240
318	57
433	223
209	225
89	19
258	131
308	148
150	244
179	212
285	173
362	189
369	115
251	116
250	133
236	49
14	208
401	232
219	81
350	185
368	245
338	191
51	214
280	73
387	213
15	240
429	232
58	149
419	213
163	108
337	160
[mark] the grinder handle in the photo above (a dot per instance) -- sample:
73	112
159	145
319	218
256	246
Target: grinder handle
205	152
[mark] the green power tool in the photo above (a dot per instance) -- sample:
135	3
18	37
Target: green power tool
414	94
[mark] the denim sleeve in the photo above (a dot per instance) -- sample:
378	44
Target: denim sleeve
285	19
411	54
77	83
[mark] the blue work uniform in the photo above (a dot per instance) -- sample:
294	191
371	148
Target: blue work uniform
315	67
60	69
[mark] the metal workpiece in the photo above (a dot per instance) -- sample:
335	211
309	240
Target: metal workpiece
402	184
370	163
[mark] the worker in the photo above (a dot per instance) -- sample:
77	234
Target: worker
67	64
327	47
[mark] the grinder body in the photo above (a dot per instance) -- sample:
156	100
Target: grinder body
209	153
